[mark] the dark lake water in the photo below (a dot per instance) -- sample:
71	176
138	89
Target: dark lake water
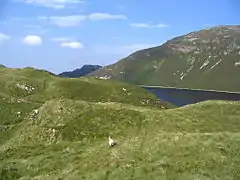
181	97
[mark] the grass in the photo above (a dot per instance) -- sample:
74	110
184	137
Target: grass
199	141
47	87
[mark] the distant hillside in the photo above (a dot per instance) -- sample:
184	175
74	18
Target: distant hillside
86	69
205	59
2	66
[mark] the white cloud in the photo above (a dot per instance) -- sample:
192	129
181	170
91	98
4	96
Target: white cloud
65	21
161	25
61	39
146	25
56	4
35	29
75	20
140	25
72	44
32	40
4	37
68	42
105	16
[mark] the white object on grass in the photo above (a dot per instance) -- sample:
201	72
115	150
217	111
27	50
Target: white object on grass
111	142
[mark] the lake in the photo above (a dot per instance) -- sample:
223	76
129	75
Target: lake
181	97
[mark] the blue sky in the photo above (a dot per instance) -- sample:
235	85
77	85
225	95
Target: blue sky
59	35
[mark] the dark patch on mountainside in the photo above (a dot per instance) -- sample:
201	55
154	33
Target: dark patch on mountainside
205	59
86	69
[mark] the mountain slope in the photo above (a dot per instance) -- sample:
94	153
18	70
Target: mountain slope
68	140
206	59
86	69
22	90
67	137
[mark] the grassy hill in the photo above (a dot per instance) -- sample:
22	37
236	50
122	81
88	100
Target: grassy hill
206	59
29	84
68	137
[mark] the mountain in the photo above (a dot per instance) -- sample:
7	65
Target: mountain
205	59
86	69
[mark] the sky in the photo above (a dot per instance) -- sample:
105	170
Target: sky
60	35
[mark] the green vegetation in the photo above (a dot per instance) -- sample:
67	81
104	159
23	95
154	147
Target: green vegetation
40	86
68	139
206	59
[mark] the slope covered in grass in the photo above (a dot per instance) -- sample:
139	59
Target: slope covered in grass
29	84
195	60
68	140
23	90
68	137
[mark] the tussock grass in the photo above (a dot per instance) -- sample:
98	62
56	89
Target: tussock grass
198	141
